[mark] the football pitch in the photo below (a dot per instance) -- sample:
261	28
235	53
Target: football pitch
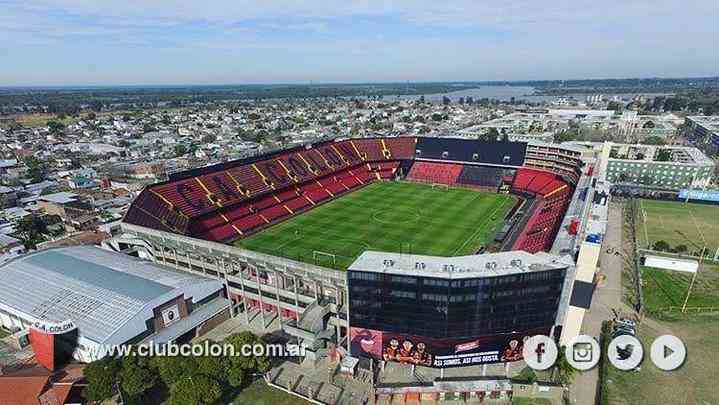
388	216
666	290
692	225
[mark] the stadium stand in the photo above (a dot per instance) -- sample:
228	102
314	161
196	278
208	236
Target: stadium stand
234	199
428	172
484	176
553	196
402	148
471	151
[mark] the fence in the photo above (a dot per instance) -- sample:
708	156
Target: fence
676	308
632	216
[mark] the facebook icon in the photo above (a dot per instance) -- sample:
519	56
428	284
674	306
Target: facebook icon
540	352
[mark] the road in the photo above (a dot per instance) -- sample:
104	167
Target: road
607	296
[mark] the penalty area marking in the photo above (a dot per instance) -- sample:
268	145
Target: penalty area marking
480	228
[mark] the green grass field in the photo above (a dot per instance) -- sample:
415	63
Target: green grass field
694	383
389	216
530	401
692	225
259	393
664	288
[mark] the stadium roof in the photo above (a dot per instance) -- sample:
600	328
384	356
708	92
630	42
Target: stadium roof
98	290
485	265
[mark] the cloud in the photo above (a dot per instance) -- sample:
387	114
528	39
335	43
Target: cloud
360	39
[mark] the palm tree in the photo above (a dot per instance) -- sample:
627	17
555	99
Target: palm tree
564	371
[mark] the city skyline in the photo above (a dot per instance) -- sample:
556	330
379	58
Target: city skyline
170	43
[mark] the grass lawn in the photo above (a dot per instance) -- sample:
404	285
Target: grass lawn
531	401
693	384
388	216
34	120
693	225
664	288
259	393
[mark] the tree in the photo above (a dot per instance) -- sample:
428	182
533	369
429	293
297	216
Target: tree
101	376
55	127
661	246
240	366
195	390
212	366
564	371
491	136
438	117
527	376
36	169
135	376
30	230
615	106
681	249
173	369
566	136
653	140
180	149
664	155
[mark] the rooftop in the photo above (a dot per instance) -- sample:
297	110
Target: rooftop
96	289
710	122
486	265
59	198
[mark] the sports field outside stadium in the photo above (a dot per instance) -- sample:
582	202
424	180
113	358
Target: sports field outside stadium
692	225
388	216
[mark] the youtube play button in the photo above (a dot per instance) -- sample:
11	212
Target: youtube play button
668	352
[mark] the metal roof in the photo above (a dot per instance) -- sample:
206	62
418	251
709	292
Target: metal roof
62	197
99	290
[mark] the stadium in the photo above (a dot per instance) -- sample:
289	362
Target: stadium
342	241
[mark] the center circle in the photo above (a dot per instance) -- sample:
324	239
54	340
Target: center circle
387	219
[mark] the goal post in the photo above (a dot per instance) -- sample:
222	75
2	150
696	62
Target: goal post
318	254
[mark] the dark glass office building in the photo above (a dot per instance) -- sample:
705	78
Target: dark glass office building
454	308
454	314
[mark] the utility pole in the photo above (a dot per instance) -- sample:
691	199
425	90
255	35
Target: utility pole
694	277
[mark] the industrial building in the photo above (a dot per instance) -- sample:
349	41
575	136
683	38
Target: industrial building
82	301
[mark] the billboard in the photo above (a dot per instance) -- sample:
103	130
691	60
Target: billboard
702	195
439	353
669	263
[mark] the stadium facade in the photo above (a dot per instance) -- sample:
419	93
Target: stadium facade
457	311
189	222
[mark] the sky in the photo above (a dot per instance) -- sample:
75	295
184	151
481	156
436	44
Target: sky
164	42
